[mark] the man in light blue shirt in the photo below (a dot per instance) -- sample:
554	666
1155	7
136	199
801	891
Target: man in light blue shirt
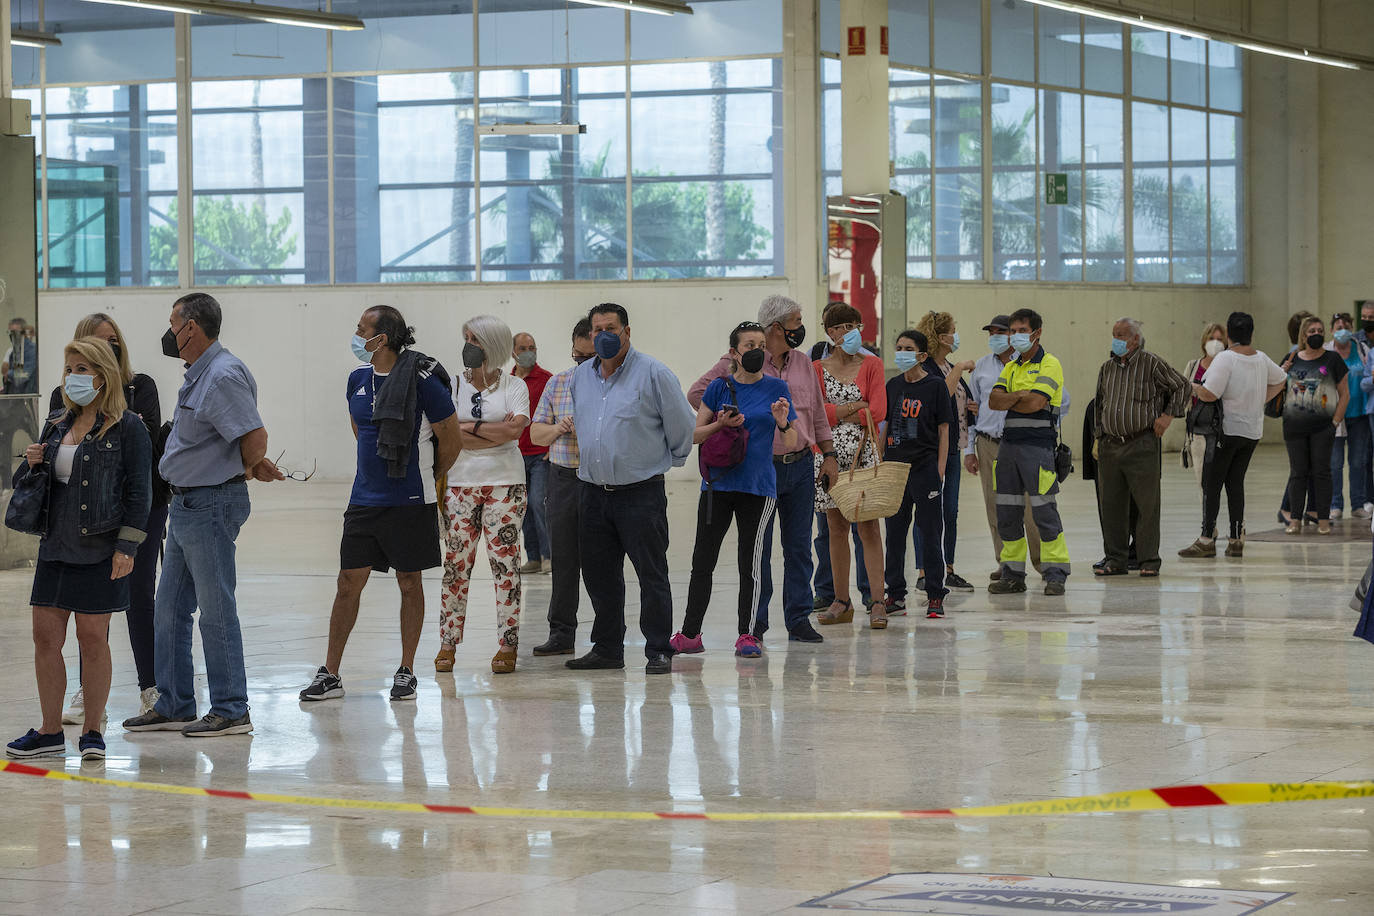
633	424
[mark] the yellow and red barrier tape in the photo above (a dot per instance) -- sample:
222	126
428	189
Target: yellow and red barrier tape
1199	796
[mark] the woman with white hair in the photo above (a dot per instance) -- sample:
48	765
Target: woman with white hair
486	489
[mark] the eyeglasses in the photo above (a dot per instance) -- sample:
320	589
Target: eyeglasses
295	475
844	328
477	405
748	326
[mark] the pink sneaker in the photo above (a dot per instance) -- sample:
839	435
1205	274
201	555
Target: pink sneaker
748	646
687	646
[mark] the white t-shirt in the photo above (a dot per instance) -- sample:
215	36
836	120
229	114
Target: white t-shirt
62	465
1240	380
490	467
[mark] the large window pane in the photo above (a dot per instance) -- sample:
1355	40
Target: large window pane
706	151
400	42
565	35
829	25
112	184
1149	63
958	35
1013	41
1103	62
1060	48
228	47
722	28
24	68
1150	192
1225	191
1014	184
1188	70
106	44
908	28
909	136
1061	226
1224	76
1104	198
957	115
1189	205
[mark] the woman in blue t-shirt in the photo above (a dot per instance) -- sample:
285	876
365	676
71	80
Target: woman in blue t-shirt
746	492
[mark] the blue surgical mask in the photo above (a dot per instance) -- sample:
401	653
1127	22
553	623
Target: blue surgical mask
905	359
1342	336
360	348
81	389
607	345
998	343
955	345
852	342
1118	347
1021	342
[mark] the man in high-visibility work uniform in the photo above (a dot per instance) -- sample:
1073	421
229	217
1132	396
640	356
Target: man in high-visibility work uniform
1031	390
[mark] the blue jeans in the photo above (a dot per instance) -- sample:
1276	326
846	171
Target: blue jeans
536	527
1357	438
825	579
953	470
796	505
198	571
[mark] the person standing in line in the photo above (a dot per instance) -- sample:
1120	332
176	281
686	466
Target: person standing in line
633	424
1295	325
486	496
1352	435
1201	444
536	527
140	395
407	436
1138	396
1243	379
745	493
781	319
1030	389
552	426
217	444
920	425
93	530
1312	409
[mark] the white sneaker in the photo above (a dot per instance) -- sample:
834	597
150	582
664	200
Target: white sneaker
76	711
545	566
147	699
1362	513
1335	515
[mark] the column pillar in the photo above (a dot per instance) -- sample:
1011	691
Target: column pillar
863	96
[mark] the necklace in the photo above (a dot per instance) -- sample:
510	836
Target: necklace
496	380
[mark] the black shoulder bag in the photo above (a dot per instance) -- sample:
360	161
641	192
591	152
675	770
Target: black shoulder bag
1063	455
27	512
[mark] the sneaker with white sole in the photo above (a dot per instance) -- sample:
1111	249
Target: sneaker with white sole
92	746
75	713
402	685
37	744
147	699
154	721
325	686
212	725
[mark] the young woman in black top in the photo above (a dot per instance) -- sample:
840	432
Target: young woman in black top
1312	409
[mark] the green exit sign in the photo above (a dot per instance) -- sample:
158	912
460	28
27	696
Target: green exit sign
1056	188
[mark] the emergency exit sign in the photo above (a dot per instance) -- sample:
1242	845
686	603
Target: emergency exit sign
1056	187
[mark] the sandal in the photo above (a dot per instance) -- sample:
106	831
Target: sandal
839	612
443	662
1107	569
1149	573
877	615
503	662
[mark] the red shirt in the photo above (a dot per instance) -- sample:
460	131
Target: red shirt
535	382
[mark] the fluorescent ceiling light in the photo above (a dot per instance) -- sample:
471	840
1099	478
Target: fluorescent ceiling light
258	12
530	130
658	7
30	39
1204	33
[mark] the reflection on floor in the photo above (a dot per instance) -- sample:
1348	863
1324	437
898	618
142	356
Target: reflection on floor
1220	671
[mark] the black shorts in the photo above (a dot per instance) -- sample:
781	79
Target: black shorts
404	538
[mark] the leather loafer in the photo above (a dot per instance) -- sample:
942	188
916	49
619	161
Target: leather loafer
554	647
593	660
659	664
804	632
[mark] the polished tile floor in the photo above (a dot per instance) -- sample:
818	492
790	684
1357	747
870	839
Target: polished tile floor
1220	671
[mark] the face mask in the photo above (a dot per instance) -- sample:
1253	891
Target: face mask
751	360
607	345
1343	336
852	342
955	344
171	348
359	347
118	351
905	360
1021	342
473	356
81	389
580	358
527	359
1315	341
1368	326
998	343
795	338
1214	347
1118	347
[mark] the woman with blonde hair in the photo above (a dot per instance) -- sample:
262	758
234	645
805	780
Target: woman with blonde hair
96	456
140	394
486	495
1213	342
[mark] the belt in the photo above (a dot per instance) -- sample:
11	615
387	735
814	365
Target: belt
1122	440
657	478
987	437
793	457
214	486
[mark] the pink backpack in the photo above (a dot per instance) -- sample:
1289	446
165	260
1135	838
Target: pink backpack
723	451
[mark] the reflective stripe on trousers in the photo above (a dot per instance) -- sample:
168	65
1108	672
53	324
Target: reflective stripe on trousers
1022	470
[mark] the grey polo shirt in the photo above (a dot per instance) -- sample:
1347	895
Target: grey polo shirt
216	406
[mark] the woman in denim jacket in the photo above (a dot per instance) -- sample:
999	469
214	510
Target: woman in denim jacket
97	454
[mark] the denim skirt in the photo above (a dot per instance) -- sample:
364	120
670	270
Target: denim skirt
82	588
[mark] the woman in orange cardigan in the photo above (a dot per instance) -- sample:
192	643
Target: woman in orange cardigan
854	392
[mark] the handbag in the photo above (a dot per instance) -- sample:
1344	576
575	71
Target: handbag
1204	418
722	451
868	494
1274	406
1063	456
27	511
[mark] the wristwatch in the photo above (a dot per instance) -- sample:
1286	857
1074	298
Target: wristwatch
829	454
783	429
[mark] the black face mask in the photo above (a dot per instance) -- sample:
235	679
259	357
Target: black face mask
171	348
751	360
1315	341
118	351
796	337
1367	327
473	356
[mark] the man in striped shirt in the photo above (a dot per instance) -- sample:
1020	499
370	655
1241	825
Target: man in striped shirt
1138	395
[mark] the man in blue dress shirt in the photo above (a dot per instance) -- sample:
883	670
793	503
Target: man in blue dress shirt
633	424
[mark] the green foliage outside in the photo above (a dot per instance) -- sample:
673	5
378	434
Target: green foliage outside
228	236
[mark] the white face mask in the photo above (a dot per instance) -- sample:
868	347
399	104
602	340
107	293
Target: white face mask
1213	347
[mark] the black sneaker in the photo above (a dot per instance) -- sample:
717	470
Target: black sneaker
1007	586
37	744
804	632
594	660
663	664
325	686
154	721
1054	588
402	685
92	746
935	609
213	725
959	583
553	647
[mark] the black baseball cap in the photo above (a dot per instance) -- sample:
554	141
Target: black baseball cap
998	323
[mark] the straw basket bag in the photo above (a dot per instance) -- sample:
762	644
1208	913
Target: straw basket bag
867	494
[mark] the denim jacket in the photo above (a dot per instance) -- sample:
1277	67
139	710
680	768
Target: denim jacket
114	473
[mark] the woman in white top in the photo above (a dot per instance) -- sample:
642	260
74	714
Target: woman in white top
486	494
1243	379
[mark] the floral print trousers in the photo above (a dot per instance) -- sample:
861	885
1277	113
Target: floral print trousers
497	514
